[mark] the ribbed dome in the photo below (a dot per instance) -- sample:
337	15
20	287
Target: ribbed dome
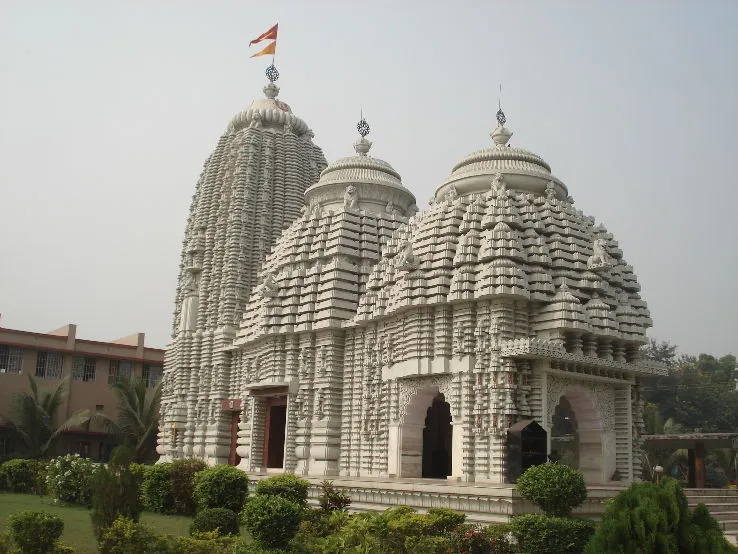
377	185
523	170
269	112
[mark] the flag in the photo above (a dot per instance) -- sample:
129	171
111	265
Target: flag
270	49
271	34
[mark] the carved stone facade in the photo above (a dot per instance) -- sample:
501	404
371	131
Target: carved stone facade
495	304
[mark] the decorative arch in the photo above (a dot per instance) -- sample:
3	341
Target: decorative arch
405	448
594	409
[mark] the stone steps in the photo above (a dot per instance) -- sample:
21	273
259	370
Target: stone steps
722	504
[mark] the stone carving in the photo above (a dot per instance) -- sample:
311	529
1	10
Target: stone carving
408	388
600	259
255	120
452	194
601	396
351	199
392	209
406	259
269	288
550	191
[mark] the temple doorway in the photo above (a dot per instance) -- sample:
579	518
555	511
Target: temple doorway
437	436
274	432
233	458
576	436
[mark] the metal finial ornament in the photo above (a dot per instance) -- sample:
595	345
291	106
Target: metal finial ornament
272	73
501	118
363	127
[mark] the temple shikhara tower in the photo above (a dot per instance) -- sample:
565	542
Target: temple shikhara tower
324	327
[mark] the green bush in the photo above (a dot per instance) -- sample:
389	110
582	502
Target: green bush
221	487
287	486
20	475
650	517
331	498
183	472
69	478
5	544
208	543
538	534
475	539
215	519
156	489
271	519
128	537
114	492
35	532
554	488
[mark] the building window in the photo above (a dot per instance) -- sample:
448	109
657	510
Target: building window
119	370
49	365
83	368
151	374
5	447
11	359
82	448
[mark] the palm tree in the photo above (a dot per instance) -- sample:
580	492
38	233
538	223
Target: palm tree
33	417
137	422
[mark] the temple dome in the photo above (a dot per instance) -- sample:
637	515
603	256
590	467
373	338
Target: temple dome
269	112
523	170
378	186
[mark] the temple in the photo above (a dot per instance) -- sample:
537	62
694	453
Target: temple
324	327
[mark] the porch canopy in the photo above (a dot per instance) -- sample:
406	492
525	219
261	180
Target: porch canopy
697	445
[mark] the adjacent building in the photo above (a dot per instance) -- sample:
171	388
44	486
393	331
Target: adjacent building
90	368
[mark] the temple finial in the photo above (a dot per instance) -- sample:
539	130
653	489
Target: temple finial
501	134
362	145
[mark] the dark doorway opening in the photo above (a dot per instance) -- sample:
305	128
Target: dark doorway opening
437	435
276	422
565	435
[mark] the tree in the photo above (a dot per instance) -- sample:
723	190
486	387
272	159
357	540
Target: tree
33	418
137	422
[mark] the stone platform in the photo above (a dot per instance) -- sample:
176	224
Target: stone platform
481	502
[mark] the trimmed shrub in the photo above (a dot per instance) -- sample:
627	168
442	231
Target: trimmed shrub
209	543
650	517
128	537
221	487
20	475
183	472
271	519
475	539
554	488
287	486
35	532
224	521
538	534
331	498
114	492
156	489
69	479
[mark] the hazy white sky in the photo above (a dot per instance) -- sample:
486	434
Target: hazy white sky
109	109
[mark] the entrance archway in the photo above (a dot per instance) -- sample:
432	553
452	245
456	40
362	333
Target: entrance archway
421	442
576	435
437	440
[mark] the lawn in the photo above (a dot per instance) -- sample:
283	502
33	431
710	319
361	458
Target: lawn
77	525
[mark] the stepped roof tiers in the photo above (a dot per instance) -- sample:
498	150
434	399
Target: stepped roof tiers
251	188
382	344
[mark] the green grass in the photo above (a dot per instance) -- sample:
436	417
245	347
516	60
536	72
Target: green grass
77	526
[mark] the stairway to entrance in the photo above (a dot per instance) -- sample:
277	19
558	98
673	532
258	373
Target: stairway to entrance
723	505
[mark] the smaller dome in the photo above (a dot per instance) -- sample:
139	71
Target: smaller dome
522	170
268	112
377	186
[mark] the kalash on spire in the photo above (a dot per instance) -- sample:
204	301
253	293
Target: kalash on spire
252	186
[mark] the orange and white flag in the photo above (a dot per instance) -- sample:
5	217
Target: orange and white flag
271	34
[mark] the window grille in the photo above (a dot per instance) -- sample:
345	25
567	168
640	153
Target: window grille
11	359
151	374
83	369
119	370
49	365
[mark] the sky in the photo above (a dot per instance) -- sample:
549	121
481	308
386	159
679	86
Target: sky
109	109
